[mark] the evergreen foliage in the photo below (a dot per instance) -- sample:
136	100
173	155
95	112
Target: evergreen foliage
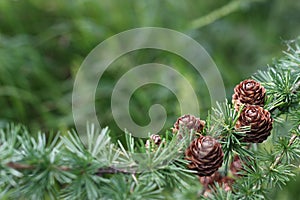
63	167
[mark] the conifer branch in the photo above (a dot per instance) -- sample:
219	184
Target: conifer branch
111	170
34	167
279	157
19	166
213	16
100	171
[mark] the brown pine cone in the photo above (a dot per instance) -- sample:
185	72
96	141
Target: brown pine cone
260	123
236	165
205	154
226	183
155	138
248	92
207	181
190	122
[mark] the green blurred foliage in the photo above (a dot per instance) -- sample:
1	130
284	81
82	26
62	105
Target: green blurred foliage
43	43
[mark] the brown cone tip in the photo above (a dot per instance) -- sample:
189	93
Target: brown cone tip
190	122
248	92
260	123
205	154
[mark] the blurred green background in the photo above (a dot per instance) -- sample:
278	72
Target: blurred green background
43	43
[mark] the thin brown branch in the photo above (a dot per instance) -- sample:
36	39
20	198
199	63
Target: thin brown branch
100	172
111	170
279	157
19	166
296	87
